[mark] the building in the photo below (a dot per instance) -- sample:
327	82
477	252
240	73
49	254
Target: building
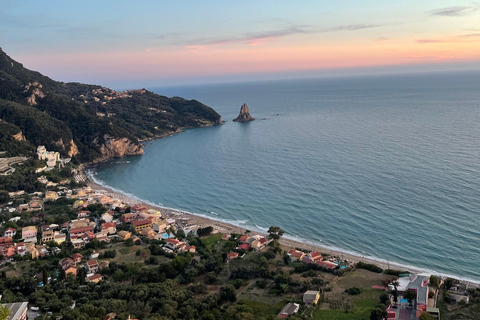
110	227
160	226
83	214
124	235
139	208
95	278
295	254
232	255
68	266
77	258
139	225
29	234
18	310
48	235
311	297
80	230
6	241
107	217
316	256
51	196
290	308
10	232
128	217
92	266
148	232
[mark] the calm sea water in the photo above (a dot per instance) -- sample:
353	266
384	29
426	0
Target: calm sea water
385	166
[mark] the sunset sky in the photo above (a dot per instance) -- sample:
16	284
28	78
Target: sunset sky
150	43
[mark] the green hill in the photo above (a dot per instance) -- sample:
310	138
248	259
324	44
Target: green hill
87	122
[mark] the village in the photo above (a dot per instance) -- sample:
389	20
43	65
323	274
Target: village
111	222
85	227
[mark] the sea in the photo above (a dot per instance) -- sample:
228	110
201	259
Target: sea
385	167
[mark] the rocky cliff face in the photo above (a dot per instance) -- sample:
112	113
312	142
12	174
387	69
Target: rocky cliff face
73	149
119	147
244	114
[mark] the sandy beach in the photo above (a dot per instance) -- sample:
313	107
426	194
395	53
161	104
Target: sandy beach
223	227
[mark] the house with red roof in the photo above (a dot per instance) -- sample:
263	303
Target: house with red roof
243	238
138	208
232	255
128	217
316	256
77	258
295	254
225	236
80	230
95	278
6	241
191	249
138	225
175	244
307	259
243	246
92	266
111	227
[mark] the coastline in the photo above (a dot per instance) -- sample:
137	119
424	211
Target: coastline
287	242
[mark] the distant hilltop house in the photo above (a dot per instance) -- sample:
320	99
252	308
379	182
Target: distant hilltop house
51	157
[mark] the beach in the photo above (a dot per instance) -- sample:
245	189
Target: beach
223	227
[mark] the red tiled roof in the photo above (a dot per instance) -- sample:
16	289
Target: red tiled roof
243	246
141	222
107	225
95	277
173	241
262	240
81	230
243	238
232	255
92	262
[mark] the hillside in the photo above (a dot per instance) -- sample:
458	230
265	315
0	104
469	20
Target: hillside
87	122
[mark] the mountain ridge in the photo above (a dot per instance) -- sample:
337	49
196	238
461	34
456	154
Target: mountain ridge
88	122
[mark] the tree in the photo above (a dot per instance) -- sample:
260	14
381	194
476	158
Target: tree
426	316
227	293
434	282
275	233
449	283
378	313
4	312
410	295
129	242
45	276
395	285
384	298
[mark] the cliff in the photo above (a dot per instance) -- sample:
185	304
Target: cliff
88	122
244	114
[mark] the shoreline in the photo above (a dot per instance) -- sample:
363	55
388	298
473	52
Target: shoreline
287	242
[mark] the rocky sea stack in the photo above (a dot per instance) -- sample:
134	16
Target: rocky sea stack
244	115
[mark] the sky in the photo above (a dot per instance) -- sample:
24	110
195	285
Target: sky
156	43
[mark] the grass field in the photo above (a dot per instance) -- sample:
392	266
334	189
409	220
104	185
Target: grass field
260	310
362	303
211	240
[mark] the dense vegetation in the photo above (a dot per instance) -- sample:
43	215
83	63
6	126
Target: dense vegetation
53	113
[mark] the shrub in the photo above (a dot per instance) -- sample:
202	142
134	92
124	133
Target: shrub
353	291
369	267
